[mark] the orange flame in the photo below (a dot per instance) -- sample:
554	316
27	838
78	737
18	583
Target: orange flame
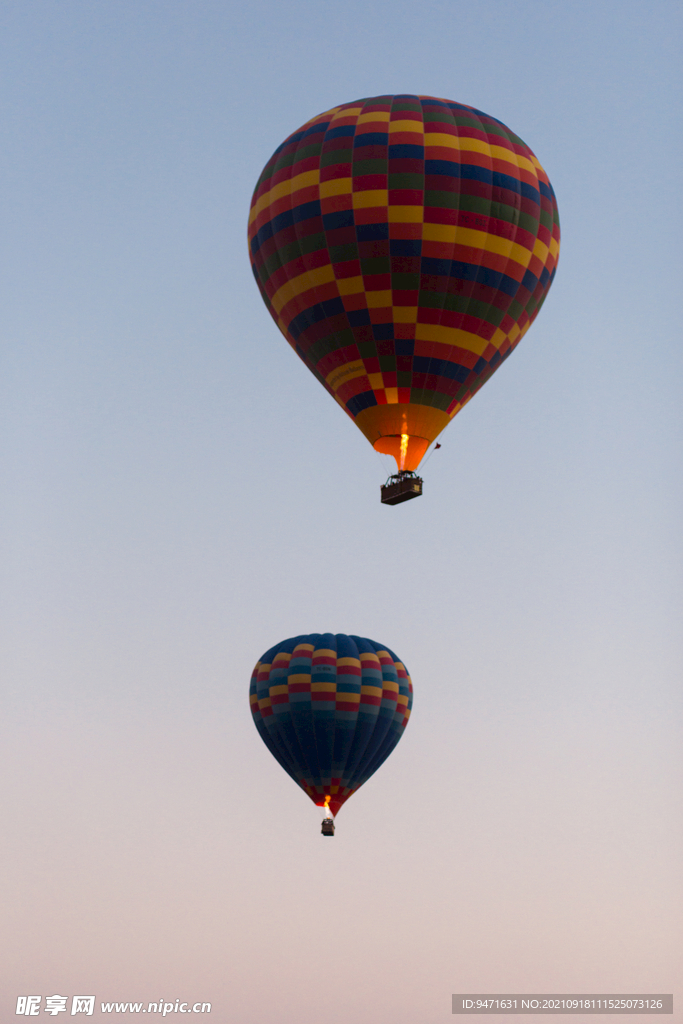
327	807
404	449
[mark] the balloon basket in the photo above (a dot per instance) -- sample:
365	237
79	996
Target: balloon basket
328	827
401	487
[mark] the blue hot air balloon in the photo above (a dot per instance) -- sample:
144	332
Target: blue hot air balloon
330	708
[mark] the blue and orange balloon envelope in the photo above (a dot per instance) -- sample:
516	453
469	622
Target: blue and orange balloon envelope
403	245
330	708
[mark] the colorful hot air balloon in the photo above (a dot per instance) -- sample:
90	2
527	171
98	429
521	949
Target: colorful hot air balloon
403	245
330	708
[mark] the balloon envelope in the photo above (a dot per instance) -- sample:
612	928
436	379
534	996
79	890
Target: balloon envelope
330	708
403	245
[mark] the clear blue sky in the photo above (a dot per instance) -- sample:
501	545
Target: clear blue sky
179	494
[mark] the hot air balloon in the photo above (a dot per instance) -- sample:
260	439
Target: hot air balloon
403	245
330	708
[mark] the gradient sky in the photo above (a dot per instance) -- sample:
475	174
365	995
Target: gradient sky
179	494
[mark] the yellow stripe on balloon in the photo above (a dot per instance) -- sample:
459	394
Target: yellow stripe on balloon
452	233
309	279
378	300
447	141
406	126
335	187
451	336
347	112
501	153
350	285
541	250
406	214
332	112
370	197
284	188
376	115
338	377
404	314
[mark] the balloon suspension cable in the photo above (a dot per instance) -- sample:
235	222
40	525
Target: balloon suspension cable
384	460
429	456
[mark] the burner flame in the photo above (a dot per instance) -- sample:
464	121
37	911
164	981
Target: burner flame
404	450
